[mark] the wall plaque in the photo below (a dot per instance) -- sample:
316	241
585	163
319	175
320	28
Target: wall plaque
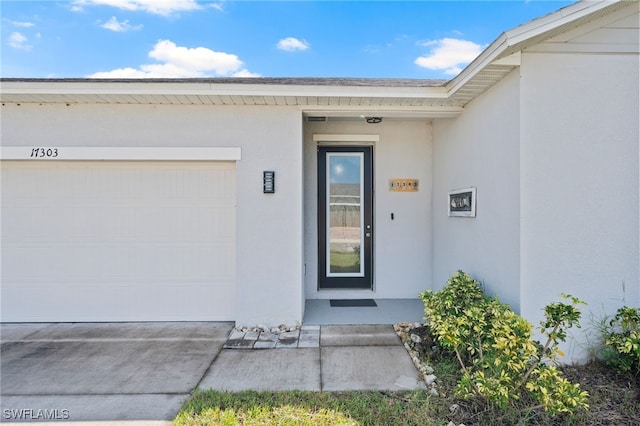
403	185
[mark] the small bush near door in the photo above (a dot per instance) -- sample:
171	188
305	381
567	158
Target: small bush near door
500	361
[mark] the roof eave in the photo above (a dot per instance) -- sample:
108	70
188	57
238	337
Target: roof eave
419	100
493	64
521	37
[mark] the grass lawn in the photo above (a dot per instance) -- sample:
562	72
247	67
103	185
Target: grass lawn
309	408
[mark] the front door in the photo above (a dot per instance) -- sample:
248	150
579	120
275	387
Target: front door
345	217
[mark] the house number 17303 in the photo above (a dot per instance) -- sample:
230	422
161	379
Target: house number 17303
44	152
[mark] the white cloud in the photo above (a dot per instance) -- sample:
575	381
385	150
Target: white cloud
449	55
291	44
198	58
19	41
121	27
121	73
372	48
246	73
217	6
22	24
182	62
157	7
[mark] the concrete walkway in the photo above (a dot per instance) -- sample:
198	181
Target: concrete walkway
141	373
352	357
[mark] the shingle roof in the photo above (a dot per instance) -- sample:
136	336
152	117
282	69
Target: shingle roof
287	81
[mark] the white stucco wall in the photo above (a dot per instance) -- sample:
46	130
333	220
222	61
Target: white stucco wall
402	246
269	244
480	149
579	180
558	140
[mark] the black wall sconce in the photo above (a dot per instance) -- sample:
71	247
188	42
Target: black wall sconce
268	182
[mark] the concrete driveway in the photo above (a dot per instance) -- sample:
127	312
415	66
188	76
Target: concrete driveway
92	372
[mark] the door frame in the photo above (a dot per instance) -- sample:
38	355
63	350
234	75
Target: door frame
328	281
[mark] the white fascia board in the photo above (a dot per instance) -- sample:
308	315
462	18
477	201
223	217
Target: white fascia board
91	87
59	153
524	32
332	91
485	58
388	112
554	20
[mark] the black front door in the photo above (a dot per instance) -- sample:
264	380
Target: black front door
345	217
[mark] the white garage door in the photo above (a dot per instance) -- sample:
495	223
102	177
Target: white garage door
118	241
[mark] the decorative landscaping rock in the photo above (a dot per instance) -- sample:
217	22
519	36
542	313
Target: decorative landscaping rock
413	335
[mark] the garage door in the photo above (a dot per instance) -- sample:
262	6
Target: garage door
118	241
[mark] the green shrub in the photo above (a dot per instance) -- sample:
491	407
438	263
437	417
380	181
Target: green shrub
622	340
498	357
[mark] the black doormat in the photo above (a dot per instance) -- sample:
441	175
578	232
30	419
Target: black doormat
351	303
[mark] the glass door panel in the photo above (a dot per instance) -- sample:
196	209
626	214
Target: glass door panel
345	214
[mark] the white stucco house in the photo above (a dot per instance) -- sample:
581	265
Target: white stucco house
147	200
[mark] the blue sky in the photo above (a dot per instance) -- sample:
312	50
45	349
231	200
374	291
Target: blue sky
189	38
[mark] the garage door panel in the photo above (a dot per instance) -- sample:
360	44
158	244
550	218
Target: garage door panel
37	264
102	241
127	303
81	223
105	265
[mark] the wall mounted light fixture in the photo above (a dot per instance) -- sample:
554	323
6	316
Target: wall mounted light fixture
268	182
372	120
